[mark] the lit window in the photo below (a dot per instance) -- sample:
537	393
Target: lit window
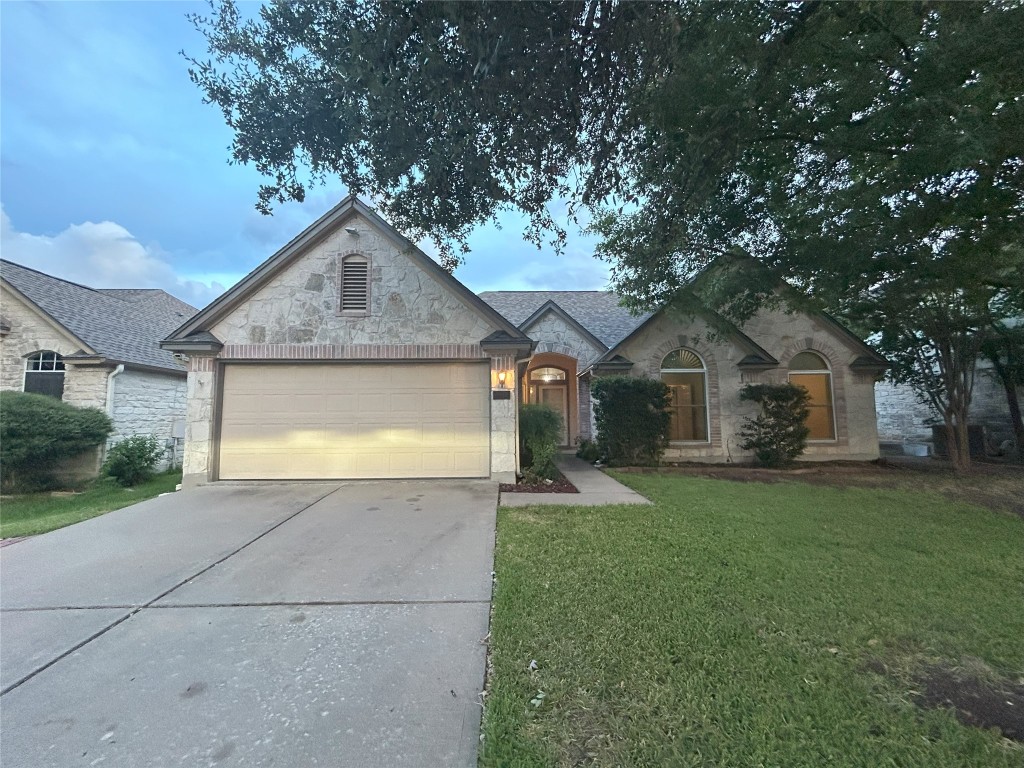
810	371
547	374
44	374
355	285
684	373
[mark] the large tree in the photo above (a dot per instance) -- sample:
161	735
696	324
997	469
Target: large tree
870	154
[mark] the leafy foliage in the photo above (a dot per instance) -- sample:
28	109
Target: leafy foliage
1004	349
540	428
37	431
632	419
778	434
588	451
131	461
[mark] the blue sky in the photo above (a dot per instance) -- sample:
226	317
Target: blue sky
113	172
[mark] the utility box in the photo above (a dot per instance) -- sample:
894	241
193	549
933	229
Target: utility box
975	440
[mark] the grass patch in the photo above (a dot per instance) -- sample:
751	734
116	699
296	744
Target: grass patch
41	512
743	624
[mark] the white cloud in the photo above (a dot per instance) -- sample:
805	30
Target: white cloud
102	255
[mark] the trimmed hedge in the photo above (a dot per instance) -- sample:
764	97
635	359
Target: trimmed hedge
632	419
539	430
779	433
37	432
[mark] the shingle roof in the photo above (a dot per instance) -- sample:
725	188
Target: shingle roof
123	324
597	311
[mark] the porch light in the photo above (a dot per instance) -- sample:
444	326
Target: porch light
502	375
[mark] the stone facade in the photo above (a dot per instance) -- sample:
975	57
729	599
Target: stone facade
783	336
903	418
294	315
553	334
407	305
147	403
30	332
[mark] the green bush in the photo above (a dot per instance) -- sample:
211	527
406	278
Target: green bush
540	429
632	420
779	433
588	450
131	461
37	432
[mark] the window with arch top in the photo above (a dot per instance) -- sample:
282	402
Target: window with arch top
810	371
685	374
354	287
44	374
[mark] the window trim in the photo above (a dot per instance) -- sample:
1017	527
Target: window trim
58	359
707	402
353	258
826	371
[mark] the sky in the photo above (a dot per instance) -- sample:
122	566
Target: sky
114	174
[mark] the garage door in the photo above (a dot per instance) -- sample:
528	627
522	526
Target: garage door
355	421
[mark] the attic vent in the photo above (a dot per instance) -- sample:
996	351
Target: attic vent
355	285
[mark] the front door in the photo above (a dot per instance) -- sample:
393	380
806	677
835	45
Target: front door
554	396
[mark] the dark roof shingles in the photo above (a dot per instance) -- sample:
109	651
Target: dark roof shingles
125	324
597	311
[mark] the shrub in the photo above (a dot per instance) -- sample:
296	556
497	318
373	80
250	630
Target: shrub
779	433
588	450
37	432
131	461
539	430
632	420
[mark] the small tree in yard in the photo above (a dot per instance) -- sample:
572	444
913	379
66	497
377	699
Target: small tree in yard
37	432
779	432
131	461
632	419
539	428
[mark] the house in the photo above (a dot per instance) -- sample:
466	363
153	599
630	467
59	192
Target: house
94	347
705	361
351	354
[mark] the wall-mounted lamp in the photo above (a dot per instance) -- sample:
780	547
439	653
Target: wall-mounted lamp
502	375
352	231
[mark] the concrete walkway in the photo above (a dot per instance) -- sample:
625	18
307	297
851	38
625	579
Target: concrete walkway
595	488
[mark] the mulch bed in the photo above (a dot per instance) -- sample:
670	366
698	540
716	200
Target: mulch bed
558	485
981	703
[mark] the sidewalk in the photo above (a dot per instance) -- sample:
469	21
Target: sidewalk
595	488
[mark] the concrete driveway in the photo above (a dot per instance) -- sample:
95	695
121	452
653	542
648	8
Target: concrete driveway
286	625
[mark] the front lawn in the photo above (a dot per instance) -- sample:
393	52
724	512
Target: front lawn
41	512
746	624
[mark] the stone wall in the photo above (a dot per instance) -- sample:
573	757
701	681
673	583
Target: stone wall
553	334
782	335
30	332
86	386
200	391
148	404
407	305
903	418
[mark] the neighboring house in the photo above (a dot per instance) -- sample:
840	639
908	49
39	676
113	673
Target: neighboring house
94	347
583	334
351	354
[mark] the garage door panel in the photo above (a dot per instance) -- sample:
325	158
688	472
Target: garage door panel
355	421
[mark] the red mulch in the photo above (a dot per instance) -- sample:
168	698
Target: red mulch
558	485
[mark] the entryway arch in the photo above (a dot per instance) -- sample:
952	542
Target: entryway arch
550	378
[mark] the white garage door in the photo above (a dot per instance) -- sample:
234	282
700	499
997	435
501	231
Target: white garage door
355	421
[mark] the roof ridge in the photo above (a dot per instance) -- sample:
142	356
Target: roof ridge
48	275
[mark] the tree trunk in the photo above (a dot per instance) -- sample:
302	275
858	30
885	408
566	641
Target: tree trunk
1010	387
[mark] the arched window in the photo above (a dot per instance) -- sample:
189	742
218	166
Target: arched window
44	374
810	371
354	287
684	373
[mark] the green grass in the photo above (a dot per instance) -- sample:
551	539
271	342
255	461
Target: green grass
41	512
734	624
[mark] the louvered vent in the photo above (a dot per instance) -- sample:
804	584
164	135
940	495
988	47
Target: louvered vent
355	285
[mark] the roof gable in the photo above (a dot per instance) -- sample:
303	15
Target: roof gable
122	325
313	235
551	308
